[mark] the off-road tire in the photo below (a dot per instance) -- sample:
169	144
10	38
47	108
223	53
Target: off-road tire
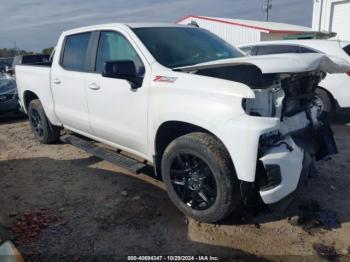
214	154
50	133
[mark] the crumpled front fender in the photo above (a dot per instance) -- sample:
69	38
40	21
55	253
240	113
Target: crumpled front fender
241	137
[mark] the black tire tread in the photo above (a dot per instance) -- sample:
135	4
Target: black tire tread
222	158
51	132
328	102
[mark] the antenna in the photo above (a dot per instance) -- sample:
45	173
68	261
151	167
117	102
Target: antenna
267	6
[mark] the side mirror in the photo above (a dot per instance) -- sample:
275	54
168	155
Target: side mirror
123	69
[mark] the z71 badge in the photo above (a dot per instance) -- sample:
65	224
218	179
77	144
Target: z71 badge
166	79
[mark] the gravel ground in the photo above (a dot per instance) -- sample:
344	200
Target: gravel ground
99	211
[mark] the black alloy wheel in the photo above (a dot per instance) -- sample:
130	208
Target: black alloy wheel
193	181
200	177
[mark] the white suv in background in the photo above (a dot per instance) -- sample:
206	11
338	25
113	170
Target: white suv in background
334	90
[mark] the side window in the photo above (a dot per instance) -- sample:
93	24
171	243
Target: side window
275	49
75	51
347	50
305	50
114	46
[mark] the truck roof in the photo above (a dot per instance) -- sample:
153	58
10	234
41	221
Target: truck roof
121	25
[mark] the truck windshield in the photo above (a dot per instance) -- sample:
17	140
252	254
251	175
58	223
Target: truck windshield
183	46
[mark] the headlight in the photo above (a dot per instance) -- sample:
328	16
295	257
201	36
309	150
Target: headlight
11	94
267	102
8	89
7	85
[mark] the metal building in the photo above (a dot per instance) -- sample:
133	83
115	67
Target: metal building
237	31
332	16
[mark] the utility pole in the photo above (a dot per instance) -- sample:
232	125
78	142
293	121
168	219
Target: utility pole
15	48
267	6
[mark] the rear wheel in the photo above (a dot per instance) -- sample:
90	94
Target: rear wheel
43	130
200	178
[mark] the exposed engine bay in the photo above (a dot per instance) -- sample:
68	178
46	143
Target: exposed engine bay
287	96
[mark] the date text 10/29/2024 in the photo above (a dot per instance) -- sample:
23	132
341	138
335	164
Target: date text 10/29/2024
172	258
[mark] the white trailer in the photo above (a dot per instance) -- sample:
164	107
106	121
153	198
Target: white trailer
332	16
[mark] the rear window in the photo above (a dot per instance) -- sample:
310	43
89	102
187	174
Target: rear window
276	49
305	50
75	52
33	59
347	49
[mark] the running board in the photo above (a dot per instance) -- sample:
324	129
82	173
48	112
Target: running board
116	158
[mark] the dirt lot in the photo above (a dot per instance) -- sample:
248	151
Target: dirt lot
97	210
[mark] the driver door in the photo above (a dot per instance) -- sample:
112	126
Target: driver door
118	113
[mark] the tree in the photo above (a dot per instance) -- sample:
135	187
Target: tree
47	51
10	52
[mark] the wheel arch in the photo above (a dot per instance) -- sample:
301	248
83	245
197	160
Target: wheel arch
47	103
28	96
332	98
169	131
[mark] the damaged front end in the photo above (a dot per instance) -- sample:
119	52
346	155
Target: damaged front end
290	97
287	148
286	156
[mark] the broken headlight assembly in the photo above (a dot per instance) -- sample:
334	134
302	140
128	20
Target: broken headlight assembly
267	102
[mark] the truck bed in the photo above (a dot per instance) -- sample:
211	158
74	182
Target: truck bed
36	78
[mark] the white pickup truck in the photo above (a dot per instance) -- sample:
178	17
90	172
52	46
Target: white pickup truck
218	127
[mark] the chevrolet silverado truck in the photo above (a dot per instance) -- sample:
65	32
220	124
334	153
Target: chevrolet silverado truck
218	127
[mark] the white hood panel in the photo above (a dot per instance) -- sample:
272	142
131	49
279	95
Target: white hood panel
282	63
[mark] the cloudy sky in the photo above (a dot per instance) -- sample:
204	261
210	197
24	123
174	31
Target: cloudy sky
36	24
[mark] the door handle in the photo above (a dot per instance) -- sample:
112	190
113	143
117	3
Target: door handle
56	81
94	86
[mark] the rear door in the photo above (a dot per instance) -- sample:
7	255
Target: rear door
118	113
68	81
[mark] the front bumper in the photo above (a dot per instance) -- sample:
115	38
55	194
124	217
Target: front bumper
284	166
279	147
289	163
9	106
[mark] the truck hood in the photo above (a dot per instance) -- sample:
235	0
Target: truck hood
282	63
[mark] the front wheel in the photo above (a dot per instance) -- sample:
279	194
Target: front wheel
43	130
200	178
325	104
